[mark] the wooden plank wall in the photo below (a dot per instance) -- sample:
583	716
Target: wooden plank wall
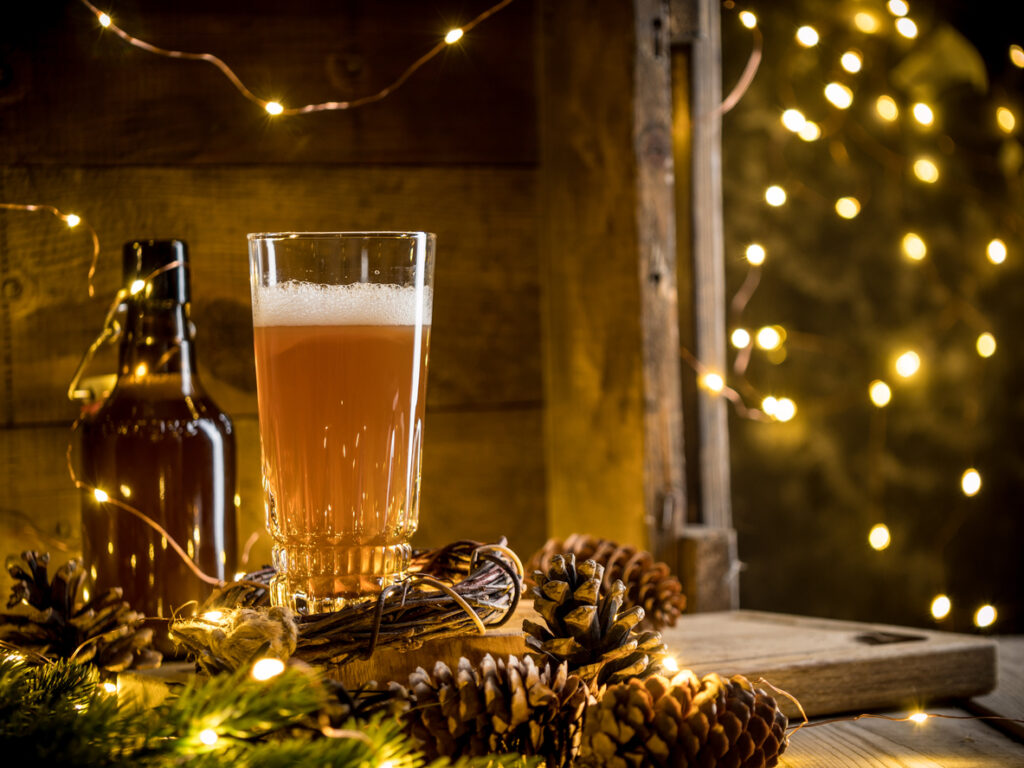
141	146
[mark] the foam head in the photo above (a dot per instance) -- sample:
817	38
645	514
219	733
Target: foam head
295	303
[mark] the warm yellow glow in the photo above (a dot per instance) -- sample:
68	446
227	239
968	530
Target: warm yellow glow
897	7
273	108
810	131
126	491
878	537
386	764
109	687
740	338
923	113
775	195
110	547
886	108
208	736
840	96
785	409
85	593
906	27
748	19
986	344
908	363
848	207
713	382
213	615
141	369
996	251
769	337
100	495
794	120
913	246
136	286
985	616
73	220
769	404
879	393
104	20
239	575
851	62
919	717
1017	56
807	36
670	664
970	482
755	254
941	606
453	36
1004	119
866	22
264	669
926	170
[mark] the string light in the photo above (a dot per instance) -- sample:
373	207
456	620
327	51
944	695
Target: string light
906	27
848	207
941	607
748	19
775	196
213	616
740	338
770	337
908	363
453	36
986	344
878	537
713	382
913	246
208	736
898	7
970	482
100	495
794	120
109	687
670	664
73	220
266	668
1017	56
918	717
785	409
809	131
923	113
104	20
755	253
1005	120
136	286
851	62
273	108
926	170
866	22
807	36
839	95
239	575
996	251
985	616
880	393
769	404
886	108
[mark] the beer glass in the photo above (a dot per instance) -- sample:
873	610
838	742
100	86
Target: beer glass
341	322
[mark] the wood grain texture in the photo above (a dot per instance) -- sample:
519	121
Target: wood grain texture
708	568
1008	698
486	339
74	94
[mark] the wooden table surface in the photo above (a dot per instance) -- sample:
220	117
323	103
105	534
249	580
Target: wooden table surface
936	743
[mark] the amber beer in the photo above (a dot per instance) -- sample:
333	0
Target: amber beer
341	379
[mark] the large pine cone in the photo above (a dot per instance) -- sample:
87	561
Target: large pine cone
587	629
497	707
649	584
711	723
51	619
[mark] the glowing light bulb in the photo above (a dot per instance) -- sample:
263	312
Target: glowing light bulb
908	363
809	131
100	495
740	338
714	382
919	717
851	62
769	404
878	537
785	409
208	736
748	19
941	607
239	575
136	286
886	108
926	170
898	7
386	764
104	20
109	687
755	254
794	120
986	344
996	251
73	220
769	337
213	615
848	207
923	113
839	95
970	482
775	196
866	22
670	664
879	393
264	669
273	108
906	27
1004	119
453	36
1017	56
913	246
807	36
141	369
985	616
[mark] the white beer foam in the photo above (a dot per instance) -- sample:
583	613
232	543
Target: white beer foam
296	303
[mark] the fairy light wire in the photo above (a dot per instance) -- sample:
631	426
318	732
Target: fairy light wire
73	221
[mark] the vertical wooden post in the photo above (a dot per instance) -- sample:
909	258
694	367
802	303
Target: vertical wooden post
613	412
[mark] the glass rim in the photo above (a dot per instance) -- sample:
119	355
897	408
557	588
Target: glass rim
383	234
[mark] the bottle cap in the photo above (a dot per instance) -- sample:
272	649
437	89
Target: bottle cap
144	257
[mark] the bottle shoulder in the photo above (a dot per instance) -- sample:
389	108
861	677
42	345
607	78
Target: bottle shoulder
160	403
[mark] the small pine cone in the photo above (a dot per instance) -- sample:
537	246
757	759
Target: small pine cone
497	707
710	723
649	584
586	628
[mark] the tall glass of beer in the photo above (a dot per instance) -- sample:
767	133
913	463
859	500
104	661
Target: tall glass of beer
341	322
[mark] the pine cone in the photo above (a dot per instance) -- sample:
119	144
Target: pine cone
587	630
497	707
53	621
711	723
649	584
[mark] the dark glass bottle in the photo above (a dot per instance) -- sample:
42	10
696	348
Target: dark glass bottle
160	444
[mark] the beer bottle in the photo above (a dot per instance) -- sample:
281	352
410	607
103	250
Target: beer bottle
160	444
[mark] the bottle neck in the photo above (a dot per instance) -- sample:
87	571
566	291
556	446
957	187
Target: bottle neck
158	341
